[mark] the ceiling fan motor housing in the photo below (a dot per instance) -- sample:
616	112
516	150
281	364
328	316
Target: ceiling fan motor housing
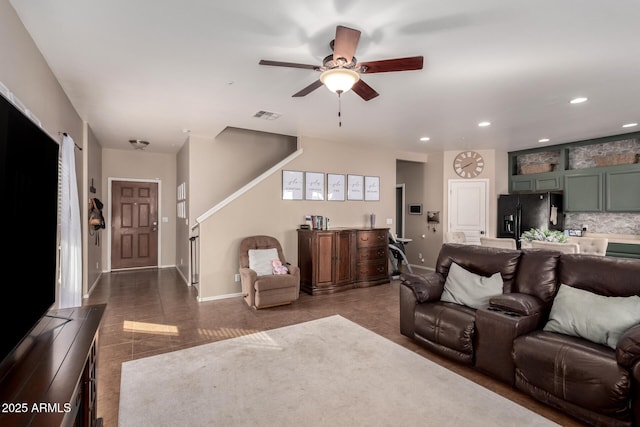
329	63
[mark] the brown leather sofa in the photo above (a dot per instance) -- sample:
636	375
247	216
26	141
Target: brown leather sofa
505	338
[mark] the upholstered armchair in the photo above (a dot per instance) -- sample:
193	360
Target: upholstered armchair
591	245
262	286
498	242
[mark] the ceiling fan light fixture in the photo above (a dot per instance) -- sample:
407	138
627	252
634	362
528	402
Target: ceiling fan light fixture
138	144
339	80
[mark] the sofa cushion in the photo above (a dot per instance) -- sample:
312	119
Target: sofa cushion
260	260
482	260
609	276
597	318
537	274
557	368
473	290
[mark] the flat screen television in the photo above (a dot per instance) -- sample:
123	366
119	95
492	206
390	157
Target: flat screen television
29	160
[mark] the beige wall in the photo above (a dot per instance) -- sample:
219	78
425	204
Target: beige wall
92	245
261	210
25	72
221	165
140	165
214	168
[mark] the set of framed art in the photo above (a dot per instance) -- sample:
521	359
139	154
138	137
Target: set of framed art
301	185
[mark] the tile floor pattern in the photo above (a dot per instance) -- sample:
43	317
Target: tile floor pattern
152	311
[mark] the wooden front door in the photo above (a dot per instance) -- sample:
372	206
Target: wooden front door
134	224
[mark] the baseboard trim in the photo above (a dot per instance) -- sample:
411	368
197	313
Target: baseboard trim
217	297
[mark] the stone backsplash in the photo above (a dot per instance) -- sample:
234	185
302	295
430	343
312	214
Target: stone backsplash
580	157
552	157
584	157
604	222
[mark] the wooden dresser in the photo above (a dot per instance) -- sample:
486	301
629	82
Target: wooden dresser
340	259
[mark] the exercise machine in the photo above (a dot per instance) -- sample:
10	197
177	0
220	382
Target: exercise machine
397	255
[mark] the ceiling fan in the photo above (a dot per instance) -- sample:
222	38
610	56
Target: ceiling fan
341	70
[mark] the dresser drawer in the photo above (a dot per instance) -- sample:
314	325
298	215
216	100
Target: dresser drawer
372	270
372	254
369	238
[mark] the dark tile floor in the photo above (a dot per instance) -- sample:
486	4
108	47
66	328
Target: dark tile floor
152	311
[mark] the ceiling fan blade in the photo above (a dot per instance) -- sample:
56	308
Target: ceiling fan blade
345	43
388	65
307	90
365	91
288	64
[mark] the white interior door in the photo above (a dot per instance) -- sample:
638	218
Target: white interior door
468	208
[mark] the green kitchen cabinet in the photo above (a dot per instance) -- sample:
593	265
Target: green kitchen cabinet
535	182
622	190
625	250
583	191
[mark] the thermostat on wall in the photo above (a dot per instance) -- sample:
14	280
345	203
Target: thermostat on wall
415	209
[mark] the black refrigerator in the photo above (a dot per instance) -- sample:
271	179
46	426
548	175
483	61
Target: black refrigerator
520	212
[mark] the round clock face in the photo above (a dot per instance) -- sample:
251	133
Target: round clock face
468	164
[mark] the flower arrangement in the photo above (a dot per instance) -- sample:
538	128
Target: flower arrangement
544	235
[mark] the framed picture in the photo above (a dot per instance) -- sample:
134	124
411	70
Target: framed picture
372	188
355	187
335	187
292	185
314	185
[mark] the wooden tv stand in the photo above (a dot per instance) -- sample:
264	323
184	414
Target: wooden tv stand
50	378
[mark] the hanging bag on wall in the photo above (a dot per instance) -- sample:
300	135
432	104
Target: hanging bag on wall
96	220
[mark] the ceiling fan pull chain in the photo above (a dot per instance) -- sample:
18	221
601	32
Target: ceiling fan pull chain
339	109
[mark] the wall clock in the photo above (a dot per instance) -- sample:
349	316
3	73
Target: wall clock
468	164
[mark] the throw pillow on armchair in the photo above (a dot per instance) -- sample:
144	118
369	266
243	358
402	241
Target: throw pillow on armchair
278	268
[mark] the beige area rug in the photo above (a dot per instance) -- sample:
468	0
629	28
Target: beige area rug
326	372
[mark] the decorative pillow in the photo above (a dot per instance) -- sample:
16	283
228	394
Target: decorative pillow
260	260
597	318
278	268
466	288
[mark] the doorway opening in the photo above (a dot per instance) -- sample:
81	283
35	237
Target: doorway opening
400	210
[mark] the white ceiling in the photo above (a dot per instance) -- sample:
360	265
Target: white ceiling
150	69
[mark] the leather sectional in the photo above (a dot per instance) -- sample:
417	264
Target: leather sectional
509	338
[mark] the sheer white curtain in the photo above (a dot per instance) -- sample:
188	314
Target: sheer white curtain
70	230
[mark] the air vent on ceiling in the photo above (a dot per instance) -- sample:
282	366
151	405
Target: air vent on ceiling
267	115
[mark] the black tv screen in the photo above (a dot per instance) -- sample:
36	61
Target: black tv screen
29	214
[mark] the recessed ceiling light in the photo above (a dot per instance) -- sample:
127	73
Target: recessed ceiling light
578	100
629	125
544	140
484	124
425	139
